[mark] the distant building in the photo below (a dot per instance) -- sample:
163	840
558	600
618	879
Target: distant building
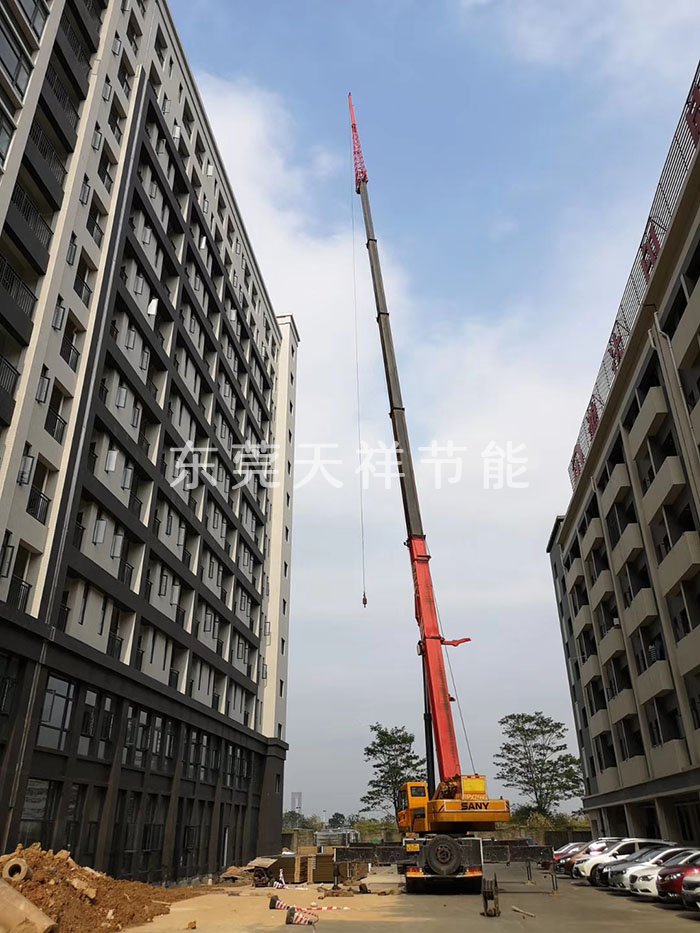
626	555
296	801
144	618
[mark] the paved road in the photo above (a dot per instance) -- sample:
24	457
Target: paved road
575	908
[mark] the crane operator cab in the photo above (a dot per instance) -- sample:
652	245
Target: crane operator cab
459	805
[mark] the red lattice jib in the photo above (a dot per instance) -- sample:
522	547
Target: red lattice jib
615	350
650	250
577	461
592	418
692	114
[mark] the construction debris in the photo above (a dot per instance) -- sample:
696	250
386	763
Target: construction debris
79	899
525	913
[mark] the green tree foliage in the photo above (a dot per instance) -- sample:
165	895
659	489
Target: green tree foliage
336	821
293	820
394	762
533	759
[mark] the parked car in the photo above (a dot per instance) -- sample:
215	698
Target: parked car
618	874
690	890
643	881
571	848
669	881
590	868
566	864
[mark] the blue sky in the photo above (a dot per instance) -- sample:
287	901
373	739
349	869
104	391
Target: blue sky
513	147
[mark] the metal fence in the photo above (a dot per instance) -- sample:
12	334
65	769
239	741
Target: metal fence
668	192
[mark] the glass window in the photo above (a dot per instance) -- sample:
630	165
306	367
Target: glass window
36	13
418	792
56	714
13	59
38	812
6	131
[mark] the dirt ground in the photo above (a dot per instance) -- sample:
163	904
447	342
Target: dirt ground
573	909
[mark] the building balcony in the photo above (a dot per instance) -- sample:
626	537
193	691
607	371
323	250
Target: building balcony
582	619
69	352
9	377
627	548
38	505
612	643
695	421
617	487
685	339
599	723
574	574
602	587
681	563
74	54
114	646
622	704
28	229
608	780
592	537
125	572
17	303
173	678
634	771
55	425
60	107
688	652
18	593
590	669
45	164
650	418
669	758
655	680
641	610
664	488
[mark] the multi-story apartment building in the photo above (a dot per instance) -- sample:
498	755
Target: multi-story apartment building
626	555
144	524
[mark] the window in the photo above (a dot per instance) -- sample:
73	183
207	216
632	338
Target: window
283	646
6	132
284	607
281	688
39	811
14	61
56	714
163	584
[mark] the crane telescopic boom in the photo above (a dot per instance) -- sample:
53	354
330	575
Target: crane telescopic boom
431	641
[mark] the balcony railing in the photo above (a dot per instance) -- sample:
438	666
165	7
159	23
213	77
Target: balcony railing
152	388
78	533
114	646
55	425
215	701
125	572
135	505
55	163
144	443
94	229
139	659
186	558
104	174
76	45
62	96
82	290
18	593
10	281
32	216
92	461
103	393
62	620
220	647
69	352
8	377
173	678
38	505
180	616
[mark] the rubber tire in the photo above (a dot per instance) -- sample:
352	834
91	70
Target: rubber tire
443	855
593	877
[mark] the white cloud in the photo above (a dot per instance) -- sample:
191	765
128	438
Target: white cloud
518	374
638	45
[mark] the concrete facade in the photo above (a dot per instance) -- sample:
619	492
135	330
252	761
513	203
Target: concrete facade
145	554
626	557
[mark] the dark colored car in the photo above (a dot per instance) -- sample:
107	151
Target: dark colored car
669	881
690	890
565	865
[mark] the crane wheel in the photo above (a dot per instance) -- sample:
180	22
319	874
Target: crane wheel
443	855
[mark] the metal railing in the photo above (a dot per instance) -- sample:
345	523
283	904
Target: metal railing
38	504
55	425
78	533
135	505
173	678
94	10
125	572
186	558
10	281
180	616
48	153
94	229
104	175
144	443
82	290
18	593
668	193
32	216
9	377
114	646
69	352
62	96
77	47
62	619
92	460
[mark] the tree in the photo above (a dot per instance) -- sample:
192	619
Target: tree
293	820
336	821
534	760
394	762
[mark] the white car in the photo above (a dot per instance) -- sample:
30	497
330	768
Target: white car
624	849
619	874
643	882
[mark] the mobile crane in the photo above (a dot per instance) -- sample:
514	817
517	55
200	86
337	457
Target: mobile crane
438	822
